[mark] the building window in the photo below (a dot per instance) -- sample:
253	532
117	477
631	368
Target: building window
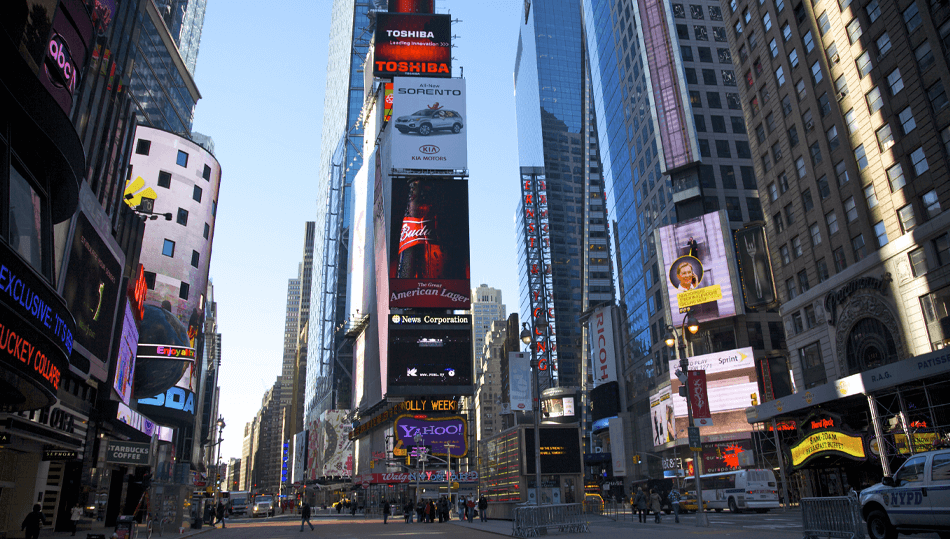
777	335
182	217
756	338
813	367
895	176
182	159
790	289
709	77
715	102
777	151
755	209
864	64
792	136
800	89
164	179
788	214
852	120
149	280
870	195
931	204
832	135
832	221
918	262
912	18
919	159
207	231
824	191
860	157
797	324
938	96
824	104
854	30
797	247
880	232
815	234
700	121
803	281
722	149
196	195
773	48
859	247
767	21
786	32
907	218
733	209
822	268
841	173
895	81
786	106
907	120
942	248
779	224
850	209
924	55
183	291
738	124
873	10
800	167
840	261
168	249
816	72
786	257
194	258
773	192
874	99
142	147
780	76
883	44
823	24
748	178
815	151
807	202
206	173
782	182
808	41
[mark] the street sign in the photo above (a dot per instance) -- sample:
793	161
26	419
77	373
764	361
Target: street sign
694	439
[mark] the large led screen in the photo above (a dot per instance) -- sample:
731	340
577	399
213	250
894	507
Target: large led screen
429	244
430	351
560	450
125	362
755	267
696	264
91	290
430	124
419	45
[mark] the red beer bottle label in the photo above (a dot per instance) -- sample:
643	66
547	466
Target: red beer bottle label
415	230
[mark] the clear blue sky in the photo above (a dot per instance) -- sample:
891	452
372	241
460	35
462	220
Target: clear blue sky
261	73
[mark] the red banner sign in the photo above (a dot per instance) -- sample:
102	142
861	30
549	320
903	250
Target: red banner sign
698	398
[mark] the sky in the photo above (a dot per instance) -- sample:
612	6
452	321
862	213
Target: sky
261	72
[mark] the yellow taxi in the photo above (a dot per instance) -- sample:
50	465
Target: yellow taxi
593	502
689	504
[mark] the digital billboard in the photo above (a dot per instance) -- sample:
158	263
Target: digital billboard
696	260
755	266
560	450
440	434
429	244
430	127
419	45
557	407
431	352
125	362
91	289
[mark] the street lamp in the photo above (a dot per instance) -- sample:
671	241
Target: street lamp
691	325
535	368
421	456
217	467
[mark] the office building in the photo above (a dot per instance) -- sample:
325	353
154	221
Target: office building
848	104
486	308
290	340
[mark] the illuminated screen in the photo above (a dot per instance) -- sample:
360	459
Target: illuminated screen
125	363
697	270
413	45
755	266
423	352
559	407
560	450
429	244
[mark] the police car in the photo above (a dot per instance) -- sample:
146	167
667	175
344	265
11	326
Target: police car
915	500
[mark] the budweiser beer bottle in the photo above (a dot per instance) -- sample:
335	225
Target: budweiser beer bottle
420	253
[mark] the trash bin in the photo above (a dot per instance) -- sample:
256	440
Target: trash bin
125	527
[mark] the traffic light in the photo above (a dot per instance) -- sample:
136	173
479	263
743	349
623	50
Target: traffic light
636	459
755	399
372	464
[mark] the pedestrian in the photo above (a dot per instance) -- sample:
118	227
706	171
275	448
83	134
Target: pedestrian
220	514
407	512
32	523
640	502
305	513
655	504
461	508
386	510
675	502
75	515
483	509
470	509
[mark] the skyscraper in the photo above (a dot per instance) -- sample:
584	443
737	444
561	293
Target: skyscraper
563	241
290	339
486	308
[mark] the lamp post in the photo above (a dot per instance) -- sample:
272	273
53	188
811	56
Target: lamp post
422	458
673	338
217	466
535	368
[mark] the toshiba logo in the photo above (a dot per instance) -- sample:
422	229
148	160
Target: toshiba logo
429	149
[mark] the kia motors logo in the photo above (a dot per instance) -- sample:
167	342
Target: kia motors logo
429	149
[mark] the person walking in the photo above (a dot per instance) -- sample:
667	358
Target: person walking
407	512
483	509
305	513
640	503
470	510
220	513
675	499
75	515
461	508
32	523
386	510
655	505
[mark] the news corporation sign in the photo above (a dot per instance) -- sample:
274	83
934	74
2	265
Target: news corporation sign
430	124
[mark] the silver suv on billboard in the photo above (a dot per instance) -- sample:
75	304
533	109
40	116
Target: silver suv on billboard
426	121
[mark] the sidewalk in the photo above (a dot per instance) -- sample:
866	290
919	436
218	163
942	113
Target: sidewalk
97	528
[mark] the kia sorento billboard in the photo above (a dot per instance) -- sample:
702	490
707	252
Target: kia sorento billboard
419	45
431	126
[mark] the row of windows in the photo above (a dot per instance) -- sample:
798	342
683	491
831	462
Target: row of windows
143	147
183	291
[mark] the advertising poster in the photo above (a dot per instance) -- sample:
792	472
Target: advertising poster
125	362
429	245
91	289
603	352
663	420
696	263
557	407
519	381
300	454
335	446
699	398
430	124
618	452
440	434
755	267
731	377
723	456
387	101
414	45
431	352
381	196
314	450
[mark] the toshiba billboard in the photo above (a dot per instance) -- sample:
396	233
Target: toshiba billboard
413	45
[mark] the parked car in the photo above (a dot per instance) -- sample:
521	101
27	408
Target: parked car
915	500
426	121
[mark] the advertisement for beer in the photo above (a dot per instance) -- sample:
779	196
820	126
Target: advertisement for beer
429	257
430	124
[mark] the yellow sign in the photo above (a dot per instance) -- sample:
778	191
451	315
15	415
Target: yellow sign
399	452
828	440
923	441
699	296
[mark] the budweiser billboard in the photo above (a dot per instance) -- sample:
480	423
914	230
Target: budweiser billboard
414	45
429	245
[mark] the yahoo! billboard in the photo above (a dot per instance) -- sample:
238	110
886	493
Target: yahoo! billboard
440	434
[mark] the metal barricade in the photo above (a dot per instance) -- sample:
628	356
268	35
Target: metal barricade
836	516
534	520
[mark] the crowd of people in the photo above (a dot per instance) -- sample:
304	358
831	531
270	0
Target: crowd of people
645	501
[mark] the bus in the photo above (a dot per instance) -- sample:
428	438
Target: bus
739	490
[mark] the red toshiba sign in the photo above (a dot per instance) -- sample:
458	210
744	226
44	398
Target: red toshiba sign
698	398
410	45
